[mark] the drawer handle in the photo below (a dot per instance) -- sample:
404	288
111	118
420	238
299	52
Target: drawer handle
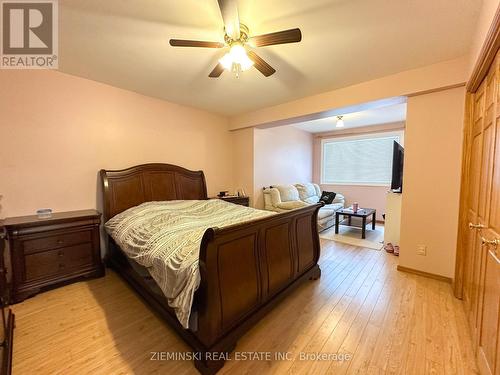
61	265
60	242
476	226
60	253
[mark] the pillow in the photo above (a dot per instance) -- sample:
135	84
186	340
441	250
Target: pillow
327	197
306	190
288	192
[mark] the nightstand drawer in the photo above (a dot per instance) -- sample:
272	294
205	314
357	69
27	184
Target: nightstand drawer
53	242
57	262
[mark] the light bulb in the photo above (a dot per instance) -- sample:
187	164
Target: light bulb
237	52
246	63
236	58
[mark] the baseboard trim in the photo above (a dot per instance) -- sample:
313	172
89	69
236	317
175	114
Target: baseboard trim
425	274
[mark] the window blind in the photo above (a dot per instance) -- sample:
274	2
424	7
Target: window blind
358	161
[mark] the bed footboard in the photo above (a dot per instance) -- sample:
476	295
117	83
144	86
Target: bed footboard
245	269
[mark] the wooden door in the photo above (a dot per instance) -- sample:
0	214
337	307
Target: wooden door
481	271
489	297
470	287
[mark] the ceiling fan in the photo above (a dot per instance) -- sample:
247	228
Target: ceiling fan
237	37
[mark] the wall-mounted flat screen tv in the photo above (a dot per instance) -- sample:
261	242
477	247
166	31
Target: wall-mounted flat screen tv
397	168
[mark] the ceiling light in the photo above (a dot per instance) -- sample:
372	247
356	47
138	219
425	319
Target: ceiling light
340	122
236	59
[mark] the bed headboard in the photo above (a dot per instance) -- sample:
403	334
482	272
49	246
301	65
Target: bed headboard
130	187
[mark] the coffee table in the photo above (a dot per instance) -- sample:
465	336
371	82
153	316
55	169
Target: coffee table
363	213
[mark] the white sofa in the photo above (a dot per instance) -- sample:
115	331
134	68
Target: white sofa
282	198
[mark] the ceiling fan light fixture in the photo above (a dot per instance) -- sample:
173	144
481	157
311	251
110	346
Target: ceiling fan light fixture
236	37
236	59
340	122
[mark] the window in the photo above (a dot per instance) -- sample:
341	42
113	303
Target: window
364	160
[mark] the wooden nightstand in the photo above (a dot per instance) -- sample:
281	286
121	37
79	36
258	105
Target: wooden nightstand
242	201
49	252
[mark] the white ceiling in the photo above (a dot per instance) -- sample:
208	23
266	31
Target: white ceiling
125	43
375	116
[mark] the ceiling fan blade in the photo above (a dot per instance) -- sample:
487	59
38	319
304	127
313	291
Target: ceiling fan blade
217	71
260	64
229	12
279	37
195	43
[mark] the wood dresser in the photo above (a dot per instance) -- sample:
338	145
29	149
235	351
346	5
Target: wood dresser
46	253
243	201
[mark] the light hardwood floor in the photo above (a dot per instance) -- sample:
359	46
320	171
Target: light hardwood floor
388	321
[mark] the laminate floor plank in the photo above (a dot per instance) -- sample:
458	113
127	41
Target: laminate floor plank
388	321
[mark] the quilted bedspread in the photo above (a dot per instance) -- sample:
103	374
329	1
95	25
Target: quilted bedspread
165	238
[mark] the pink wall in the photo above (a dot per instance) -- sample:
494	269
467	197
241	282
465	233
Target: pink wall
430	200
59	130
367	196
243	161
282	155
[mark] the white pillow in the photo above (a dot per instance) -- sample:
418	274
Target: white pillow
288	193
306	191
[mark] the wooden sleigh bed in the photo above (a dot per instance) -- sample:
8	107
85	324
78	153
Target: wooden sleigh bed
245	268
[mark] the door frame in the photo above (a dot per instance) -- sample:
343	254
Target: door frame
481	68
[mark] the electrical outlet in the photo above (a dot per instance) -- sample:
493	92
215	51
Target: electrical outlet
421	250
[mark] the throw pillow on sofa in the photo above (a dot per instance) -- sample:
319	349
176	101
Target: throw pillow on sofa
327	197
308	193
287	192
